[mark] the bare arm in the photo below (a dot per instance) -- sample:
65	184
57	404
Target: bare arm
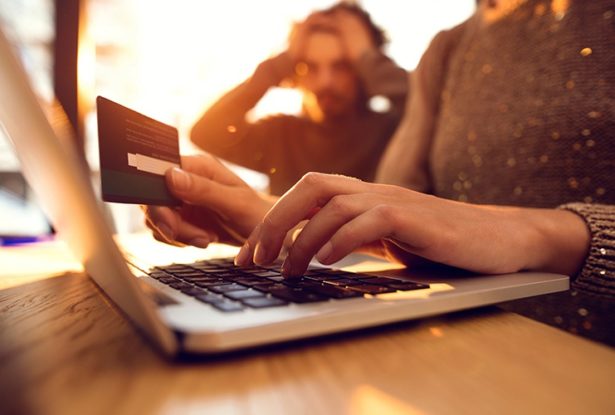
405	161
223	129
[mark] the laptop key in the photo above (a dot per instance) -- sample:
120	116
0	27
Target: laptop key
168	280
335	272
371	289
226	288
250	282
300	282
379	280
193	291
188	274
264	302
228	306
207	284
209	298
342	282
264	286
174	268
297	295
159	274
322	277
242	294
227	274
179	285
408	286
335	292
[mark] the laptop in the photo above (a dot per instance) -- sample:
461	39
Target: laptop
169	304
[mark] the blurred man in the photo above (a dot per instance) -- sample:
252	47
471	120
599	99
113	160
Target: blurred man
335	57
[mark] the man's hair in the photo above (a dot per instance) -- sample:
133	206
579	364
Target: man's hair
377	33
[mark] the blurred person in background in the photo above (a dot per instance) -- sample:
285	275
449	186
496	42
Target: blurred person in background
336	58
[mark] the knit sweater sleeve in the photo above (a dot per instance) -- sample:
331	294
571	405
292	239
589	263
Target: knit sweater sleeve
598	272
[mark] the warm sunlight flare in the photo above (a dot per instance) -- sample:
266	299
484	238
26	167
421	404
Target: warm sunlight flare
173	62
369	400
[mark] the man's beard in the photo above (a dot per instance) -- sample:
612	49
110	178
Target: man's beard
331	103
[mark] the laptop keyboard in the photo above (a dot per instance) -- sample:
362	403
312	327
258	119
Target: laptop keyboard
230	288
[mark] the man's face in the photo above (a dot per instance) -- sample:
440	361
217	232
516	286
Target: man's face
330	75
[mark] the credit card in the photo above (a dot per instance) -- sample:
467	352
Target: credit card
135	151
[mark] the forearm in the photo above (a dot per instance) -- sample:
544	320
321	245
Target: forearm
382	76
557	240
223	126
405	161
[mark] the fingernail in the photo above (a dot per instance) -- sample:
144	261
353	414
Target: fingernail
165	231
181	179
324	252
242	256
200	242
260	255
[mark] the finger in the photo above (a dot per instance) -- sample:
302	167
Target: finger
339	210
168	226
210	167
161	238
190	234
161	220
245	255
195	189
370	226
312	191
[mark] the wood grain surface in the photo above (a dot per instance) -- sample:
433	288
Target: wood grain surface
65	349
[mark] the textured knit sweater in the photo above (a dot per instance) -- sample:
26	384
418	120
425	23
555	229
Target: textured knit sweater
286	147
517	107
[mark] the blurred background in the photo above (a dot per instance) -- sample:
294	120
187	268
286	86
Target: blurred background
170	61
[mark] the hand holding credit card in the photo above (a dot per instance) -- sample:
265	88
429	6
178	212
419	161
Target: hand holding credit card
135	151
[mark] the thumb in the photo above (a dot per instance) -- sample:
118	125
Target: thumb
179	181
194	189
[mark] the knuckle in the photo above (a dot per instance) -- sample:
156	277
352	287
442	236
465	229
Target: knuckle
312	179
388	214
269	224
339	205
346	233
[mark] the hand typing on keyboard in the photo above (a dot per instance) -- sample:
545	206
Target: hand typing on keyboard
344	214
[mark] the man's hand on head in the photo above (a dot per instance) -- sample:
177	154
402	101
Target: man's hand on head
354	33
301	31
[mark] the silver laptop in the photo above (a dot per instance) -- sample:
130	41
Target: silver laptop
171	309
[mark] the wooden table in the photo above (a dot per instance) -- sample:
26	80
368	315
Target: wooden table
64	348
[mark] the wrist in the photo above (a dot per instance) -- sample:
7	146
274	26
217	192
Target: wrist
558	241
277	68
